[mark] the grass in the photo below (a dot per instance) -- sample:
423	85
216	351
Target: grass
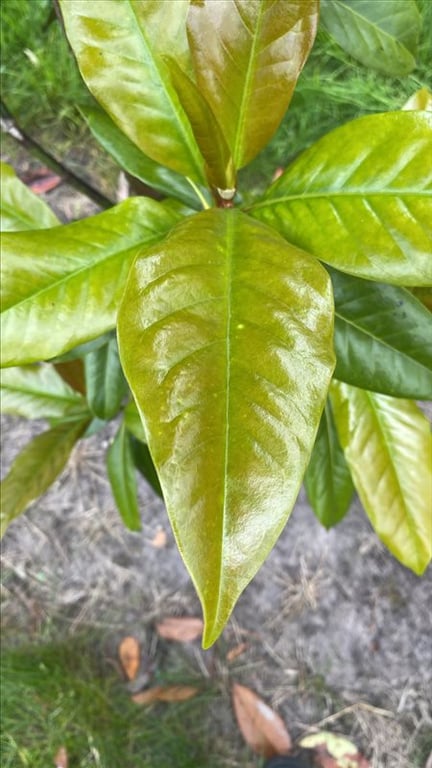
68	694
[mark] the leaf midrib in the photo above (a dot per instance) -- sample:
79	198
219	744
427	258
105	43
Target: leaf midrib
43	394
324	195
246	95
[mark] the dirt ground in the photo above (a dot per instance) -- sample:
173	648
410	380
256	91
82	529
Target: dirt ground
339	634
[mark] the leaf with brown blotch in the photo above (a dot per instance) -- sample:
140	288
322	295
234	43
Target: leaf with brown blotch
238	650
182	630
61	758
165	693
331	751
129	653
260	726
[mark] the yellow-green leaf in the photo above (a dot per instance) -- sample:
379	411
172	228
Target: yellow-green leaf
38	392
225	336
20	208
388	447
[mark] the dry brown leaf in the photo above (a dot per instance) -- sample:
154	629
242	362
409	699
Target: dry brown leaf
159	540
182	630
129	653
331	751
61	758
260	726
165	693
236	651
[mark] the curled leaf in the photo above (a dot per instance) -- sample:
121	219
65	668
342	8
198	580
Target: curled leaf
260	726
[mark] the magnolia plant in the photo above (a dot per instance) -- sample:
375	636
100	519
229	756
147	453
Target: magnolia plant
263	340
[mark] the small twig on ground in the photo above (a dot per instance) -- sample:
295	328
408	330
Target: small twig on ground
347	710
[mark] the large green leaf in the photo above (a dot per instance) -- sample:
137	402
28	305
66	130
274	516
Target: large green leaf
225	335
388	447
120	48
129	157
133	422
360	199
61	286
36	467
105	383
248	55
381	34
38	392
383	338
328	480
122	476
144	463
19	207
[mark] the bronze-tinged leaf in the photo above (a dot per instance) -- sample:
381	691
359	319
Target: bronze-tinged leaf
61	758
129	653
332	751
182	630
237	651
165	693
260	726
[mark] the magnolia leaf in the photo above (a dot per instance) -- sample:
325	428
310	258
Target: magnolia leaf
36	467
132	160
225	335
39	392
182	630
61	287
130	655
388	447
383	338
248	55
421	99
260	726
424	295
360	199
105	382
169	693
328	480
208	135
381	34
122	476
19	207
119	48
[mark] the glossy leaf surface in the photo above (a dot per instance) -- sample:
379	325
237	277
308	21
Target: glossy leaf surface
381	34
38	392
360	199
129	157
20	208
105	383
61	287
388	447
120	48
248	55
36	467
225	335
328	480
383	338
122	476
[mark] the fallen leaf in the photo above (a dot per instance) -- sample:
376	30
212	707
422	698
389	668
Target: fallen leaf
45	183
332	751
129	653
429	761
260	726
165	693
182	630
61	758
159	540
236	651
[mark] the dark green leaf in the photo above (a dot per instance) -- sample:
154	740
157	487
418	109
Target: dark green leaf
360	199
248	55
121	473
143	462
38	392
20	208
225	335
133	422
129	157
388	447
328	480
61	287
383	338
36	467
105	383
381	34
120	49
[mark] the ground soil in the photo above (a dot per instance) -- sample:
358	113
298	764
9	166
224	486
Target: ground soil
338	633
